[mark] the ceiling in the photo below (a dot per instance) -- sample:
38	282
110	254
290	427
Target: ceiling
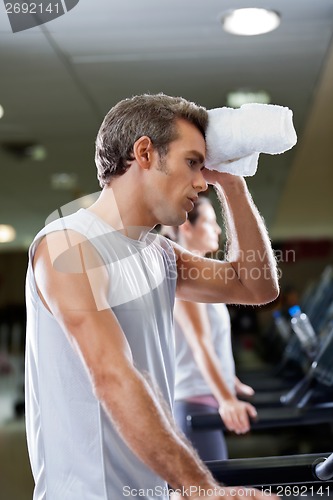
58	80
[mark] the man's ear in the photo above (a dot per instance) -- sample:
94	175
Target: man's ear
143	152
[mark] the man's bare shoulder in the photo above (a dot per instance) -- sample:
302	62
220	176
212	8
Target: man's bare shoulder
67	251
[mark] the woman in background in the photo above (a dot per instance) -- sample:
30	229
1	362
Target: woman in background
205	369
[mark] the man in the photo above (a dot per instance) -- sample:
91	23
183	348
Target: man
100	293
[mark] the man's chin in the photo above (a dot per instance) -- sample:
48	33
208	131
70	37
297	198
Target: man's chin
178	220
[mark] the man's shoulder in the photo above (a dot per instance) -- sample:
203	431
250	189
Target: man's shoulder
58	222
69	230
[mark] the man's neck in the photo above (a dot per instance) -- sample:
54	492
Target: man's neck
123	214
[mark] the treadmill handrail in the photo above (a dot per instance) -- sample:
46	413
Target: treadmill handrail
263	471
269	418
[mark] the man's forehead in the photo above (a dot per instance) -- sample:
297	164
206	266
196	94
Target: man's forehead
191	137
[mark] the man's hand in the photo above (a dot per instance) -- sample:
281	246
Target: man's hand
236	415
215	177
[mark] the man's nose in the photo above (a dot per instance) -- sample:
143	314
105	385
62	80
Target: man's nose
199	182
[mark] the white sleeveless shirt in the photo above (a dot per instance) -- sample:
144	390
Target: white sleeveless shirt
75	451
189	381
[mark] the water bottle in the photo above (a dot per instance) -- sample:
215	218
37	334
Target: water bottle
301	325
282	325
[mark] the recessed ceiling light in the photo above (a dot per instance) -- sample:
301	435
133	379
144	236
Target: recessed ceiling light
7	233
239	97
64	181
251	21
36	152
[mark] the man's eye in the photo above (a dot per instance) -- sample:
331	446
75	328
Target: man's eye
191	163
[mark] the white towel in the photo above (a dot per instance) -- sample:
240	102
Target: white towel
235	137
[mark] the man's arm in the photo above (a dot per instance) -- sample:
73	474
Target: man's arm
194	322
250	275
78	301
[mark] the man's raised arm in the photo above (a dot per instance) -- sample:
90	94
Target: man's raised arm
249	274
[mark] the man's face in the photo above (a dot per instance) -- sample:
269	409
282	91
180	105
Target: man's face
177	178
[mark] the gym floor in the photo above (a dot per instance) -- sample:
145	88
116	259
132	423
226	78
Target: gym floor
15	473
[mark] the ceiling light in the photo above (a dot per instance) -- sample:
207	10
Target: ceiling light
63	181
7	233
1	111
237	98
36	152
250	21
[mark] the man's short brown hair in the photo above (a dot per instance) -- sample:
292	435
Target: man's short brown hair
151	115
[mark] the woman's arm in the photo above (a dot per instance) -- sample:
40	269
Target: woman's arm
194	322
